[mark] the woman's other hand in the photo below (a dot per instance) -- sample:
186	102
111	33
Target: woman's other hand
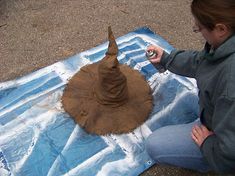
200	133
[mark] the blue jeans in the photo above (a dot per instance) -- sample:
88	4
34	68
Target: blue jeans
173	145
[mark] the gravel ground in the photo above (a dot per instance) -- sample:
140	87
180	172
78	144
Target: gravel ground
38	33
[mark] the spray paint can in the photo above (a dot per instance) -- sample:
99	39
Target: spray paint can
151	54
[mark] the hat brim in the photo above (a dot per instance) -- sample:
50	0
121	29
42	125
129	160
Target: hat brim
80	102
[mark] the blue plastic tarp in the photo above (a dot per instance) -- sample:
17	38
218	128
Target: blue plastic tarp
37	137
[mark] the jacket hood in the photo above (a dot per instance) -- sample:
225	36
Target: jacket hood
223	51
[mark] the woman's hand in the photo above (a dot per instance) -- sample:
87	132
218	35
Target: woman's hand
200	133
159	51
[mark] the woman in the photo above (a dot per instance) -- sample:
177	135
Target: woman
208	144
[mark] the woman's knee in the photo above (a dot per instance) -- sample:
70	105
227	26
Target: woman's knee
169	140
155	146
173	145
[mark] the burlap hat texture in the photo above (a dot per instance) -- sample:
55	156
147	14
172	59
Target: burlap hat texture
107	97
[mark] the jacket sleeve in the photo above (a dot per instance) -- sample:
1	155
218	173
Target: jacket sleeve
219	149
182	62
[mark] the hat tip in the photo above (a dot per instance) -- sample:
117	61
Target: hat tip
112	48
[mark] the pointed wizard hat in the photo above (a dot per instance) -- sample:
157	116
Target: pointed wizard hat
107	97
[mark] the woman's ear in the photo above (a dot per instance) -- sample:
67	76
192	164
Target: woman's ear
222	30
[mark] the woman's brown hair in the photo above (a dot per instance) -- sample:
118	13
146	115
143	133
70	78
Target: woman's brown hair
211	12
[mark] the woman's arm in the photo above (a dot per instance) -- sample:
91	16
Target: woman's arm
180	62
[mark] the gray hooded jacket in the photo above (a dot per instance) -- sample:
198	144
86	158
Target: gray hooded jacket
215	75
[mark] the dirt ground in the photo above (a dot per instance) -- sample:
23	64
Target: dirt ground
38	33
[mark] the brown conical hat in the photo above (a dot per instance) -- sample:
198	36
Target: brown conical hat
108	97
